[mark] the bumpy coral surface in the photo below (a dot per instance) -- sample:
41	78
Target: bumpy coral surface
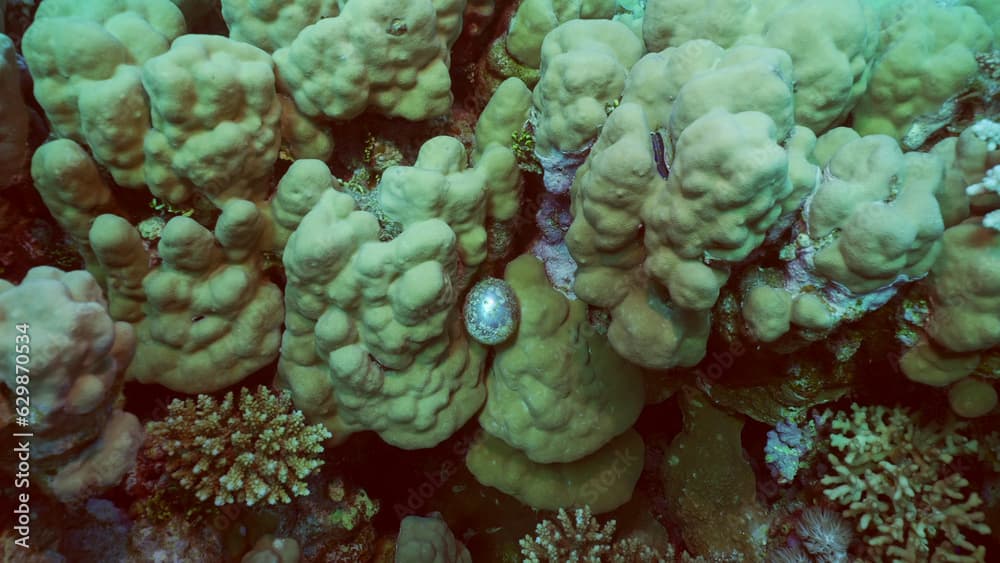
62	377
83	55
272	24
71	186
963	322
603	480
215	114
206	317
429	539
555	392
924	38
654	245
254	449
392	56
375	339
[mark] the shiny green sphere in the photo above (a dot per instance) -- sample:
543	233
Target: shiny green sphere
491	311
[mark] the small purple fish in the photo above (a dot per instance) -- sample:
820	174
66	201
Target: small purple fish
661	163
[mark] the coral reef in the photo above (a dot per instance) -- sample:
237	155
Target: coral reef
476	259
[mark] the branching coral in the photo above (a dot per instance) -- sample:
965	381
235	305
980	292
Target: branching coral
258	449
580	538
896	478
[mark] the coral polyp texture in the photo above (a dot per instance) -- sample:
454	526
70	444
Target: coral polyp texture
255	449
429	539
507	262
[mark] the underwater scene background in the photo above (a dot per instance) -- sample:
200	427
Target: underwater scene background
432	281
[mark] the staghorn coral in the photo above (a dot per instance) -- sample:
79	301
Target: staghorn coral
896	479
258	449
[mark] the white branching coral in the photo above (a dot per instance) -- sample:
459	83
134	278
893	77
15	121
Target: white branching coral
257	450
580	538
990	184
896	479
988	131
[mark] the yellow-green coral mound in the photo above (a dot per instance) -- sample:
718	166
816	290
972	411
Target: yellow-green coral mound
259	449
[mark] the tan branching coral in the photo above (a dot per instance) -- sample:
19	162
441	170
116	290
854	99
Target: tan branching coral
257	450
580	538
896	479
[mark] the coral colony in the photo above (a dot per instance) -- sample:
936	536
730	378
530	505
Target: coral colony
438	281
